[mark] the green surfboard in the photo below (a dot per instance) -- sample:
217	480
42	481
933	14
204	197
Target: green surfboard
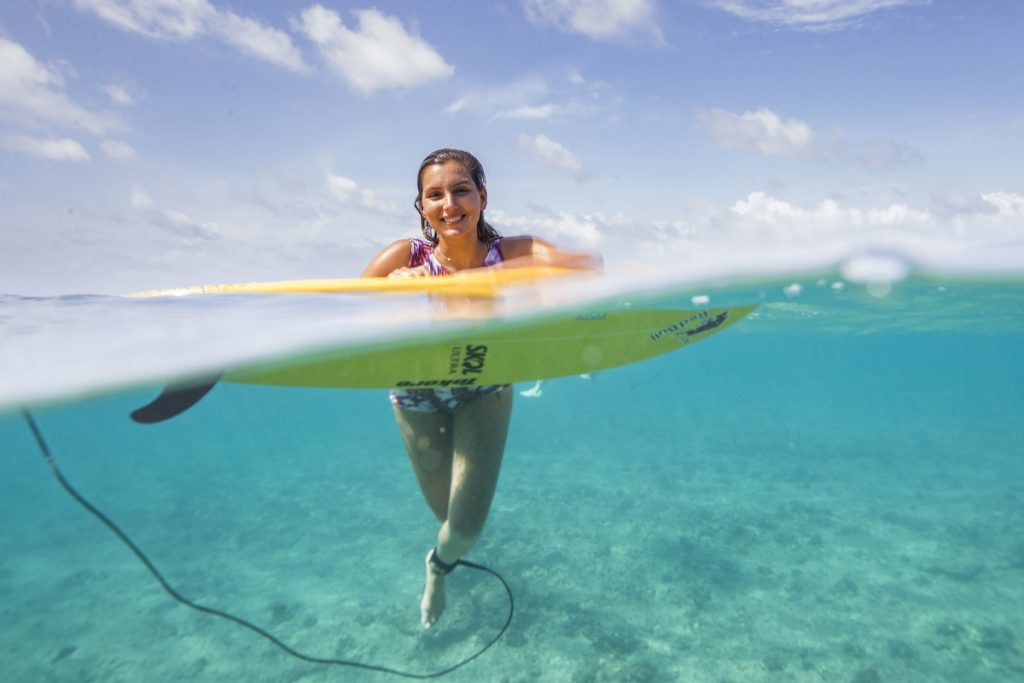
538	350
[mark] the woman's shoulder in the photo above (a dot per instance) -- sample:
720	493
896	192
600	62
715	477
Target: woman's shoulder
394	256
406	246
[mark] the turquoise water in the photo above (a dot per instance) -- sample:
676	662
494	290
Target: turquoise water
829	490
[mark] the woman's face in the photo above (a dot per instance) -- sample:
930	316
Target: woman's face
450	201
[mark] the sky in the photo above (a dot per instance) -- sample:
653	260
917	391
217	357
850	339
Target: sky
160	143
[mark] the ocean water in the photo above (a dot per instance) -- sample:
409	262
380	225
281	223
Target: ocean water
830	490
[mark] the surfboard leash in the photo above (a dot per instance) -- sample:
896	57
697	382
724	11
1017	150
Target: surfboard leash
44	450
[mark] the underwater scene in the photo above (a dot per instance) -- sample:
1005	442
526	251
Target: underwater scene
829	490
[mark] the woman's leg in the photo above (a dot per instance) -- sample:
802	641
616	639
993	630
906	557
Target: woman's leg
478	445
456	460
428	440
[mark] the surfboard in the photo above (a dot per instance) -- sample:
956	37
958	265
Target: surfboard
540	349
486	282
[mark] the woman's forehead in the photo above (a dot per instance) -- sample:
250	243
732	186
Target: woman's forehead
445	174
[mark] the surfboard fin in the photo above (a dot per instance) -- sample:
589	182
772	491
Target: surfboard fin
174	400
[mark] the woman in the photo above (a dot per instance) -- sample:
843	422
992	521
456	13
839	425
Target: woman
456	436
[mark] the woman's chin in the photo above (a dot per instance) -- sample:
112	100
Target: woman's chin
456	230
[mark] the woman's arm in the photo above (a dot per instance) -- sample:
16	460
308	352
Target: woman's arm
394	257
526	250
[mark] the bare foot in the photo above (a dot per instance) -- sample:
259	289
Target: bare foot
432	605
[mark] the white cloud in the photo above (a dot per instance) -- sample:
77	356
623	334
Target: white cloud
118	95
569	229
553	155
597	19
761	230
53	149
29	89
497	100
258	40
537	99
896	214
543	111
1006	203
977	216
349	193
760	132
950	204
140	200
809	14
763	214
119	150
154	18
759	211
175	222
765	133
189	19
378	55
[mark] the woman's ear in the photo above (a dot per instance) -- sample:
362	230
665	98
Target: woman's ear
483	199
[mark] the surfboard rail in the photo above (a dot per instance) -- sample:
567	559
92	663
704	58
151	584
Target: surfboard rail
484	282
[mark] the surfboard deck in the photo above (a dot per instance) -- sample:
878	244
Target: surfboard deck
474	283
537	350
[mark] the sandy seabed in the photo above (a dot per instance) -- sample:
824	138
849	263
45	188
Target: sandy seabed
643	543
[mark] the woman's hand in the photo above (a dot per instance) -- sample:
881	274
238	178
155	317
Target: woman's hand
419	271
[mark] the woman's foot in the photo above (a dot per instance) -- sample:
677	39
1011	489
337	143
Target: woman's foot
432	605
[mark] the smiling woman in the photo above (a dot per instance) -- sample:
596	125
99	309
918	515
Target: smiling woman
455	437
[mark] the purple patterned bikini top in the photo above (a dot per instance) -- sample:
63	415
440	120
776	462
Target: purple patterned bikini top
422	253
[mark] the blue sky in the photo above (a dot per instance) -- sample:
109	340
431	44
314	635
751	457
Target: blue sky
147	143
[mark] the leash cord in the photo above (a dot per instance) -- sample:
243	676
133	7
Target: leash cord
44	449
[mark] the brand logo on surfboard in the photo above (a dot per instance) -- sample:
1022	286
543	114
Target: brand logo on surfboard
426	383
466	360
473	361
682	330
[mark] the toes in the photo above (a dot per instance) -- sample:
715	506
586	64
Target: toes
428	617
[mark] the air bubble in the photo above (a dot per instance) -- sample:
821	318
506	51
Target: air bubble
592	355
876	268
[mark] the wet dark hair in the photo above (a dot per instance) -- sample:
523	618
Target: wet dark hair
484	232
